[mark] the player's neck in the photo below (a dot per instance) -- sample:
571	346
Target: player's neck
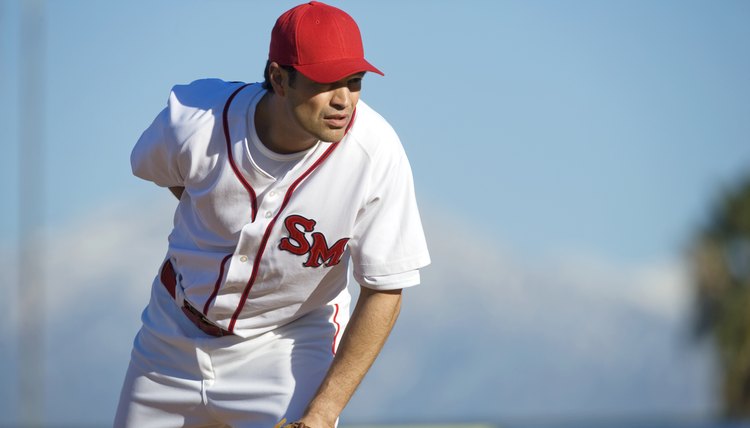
272	125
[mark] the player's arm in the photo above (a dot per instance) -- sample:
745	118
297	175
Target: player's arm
369	327
177	191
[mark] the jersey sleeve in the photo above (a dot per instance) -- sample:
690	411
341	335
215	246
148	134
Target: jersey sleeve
388	245
155	156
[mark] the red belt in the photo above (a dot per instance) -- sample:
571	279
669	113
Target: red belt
168	278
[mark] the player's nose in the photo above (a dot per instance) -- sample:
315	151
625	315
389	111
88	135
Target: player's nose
341	98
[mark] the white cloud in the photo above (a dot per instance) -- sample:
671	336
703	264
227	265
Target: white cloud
122	242
97	275
127	238
661	288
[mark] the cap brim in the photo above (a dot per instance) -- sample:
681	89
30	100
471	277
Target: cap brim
333	71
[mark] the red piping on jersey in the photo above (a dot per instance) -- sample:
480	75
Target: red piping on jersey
338	328
217	284
230	155
267	233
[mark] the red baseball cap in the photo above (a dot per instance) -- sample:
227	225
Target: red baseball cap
320	41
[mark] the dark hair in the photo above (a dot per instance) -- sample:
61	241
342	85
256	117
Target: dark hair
267	79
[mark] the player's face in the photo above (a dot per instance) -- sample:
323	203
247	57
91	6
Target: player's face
324	110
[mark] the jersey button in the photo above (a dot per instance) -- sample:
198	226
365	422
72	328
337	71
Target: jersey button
269	214
243	259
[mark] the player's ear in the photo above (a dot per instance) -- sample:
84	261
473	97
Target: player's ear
276	76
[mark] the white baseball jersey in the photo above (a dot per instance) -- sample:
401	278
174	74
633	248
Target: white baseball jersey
254	252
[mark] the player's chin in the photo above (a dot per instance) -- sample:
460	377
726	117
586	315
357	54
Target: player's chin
332	135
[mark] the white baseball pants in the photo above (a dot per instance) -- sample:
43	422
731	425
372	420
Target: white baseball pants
180	377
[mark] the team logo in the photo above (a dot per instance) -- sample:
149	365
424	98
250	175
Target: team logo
317	250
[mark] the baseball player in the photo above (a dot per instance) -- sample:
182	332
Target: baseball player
284	188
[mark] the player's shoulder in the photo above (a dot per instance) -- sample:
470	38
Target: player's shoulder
372	131
203	94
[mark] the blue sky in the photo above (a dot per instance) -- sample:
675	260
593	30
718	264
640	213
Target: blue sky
602	125
549	130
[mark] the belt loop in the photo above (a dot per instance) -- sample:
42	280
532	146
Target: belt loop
168	278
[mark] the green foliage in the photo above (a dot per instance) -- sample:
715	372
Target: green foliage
721	262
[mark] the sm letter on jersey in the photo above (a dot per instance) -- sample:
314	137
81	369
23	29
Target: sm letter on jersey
317	251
